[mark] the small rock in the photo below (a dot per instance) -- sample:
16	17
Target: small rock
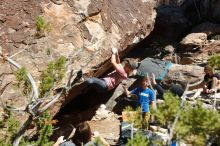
25	24
11	30
162	136
57	2
159	129
169	49
102	113
2	18
153	128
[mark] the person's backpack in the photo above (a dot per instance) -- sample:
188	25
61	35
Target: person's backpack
156	66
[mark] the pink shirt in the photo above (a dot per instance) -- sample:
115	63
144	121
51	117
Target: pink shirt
116	77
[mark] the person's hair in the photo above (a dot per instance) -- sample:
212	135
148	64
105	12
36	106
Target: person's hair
209	68
132	63
144	78
82	134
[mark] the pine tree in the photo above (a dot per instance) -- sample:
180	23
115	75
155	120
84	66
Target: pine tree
139	139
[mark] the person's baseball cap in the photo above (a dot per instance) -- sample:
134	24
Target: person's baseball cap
133	64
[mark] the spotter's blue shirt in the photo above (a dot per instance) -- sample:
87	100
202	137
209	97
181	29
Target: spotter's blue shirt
145	97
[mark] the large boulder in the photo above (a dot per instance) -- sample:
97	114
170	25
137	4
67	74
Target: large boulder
183	74
83	31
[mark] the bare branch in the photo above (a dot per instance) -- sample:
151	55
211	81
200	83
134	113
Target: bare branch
34	86
2	91
22	130
54	99
182	104
197	83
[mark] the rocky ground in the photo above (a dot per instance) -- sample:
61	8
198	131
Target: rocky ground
84	31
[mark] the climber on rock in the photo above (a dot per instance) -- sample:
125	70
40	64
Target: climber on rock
114	78
144	97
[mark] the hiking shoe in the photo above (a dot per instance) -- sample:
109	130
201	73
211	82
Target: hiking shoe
57	2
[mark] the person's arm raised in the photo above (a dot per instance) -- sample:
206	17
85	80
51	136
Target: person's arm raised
128	93
59	141
115	60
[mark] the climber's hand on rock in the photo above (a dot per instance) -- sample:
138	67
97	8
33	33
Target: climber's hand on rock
114	50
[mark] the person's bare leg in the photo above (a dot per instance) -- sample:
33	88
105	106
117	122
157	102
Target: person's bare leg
214	85
198	92
217	84
214	82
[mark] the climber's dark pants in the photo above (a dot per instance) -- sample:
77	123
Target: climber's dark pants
175	89
99	84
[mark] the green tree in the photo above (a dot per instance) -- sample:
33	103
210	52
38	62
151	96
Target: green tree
139	139
166	112
196	123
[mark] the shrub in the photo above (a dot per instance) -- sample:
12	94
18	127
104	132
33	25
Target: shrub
45	130
196	123
23	81
41	24
215	37
214	61
10	126
166	112
139	139
53	74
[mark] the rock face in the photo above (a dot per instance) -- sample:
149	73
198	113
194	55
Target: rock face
83	31
176	17
207	28
200	10
171	22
